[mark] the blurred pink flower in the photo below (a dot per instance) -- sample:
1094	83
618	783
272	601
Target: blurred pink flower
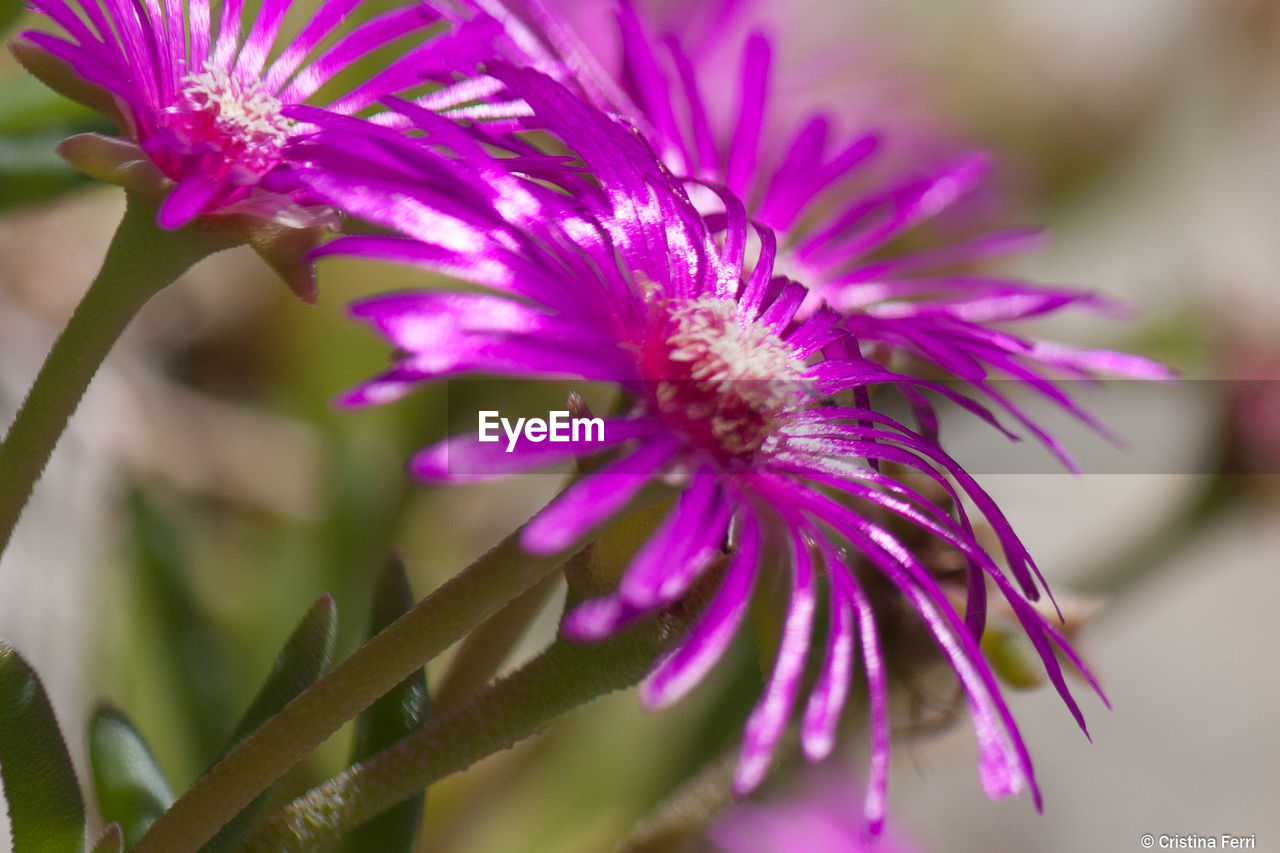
848	187
820	815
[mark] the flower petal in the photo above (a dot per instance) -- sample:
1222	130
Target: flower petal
595	498
682	668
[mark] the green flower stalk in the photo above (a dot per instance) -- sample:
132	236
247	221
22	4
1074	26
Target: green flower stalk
204	153
375	668
141	262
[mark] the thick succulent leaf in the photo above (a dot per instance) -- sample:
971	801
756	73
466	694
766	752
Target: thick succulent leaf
131	788
46	813
305	657
392	717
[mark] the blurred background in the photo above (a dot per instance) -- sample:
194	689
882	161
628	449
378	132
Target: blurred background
206	492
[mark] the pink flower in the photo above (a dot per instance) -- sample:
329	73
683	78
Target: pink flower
203	116
602	269
707	100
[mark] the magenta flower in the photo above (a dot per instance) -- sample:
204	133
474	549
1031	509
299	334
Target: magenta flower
605	271
202	113
835	222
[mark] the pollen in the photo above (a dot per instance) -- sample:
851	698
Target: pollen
726	384
238	119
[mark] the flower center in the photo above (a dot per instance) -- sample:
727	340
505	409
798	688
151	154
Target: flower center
239	119
725	386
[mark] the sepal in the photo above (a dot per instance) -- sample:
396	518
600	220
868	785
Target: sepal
288	251
115	161
63	79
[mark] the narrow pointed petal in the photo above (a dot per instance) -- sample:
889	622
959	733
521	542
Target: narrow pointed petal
686	665
594	499
769	717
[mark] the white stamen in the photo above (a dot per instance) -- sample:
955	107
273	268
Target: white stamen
240	115
743	379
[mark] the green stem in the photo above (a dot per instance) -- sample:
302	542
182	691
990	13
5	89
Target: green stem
372	670
484	650
140	262
561	678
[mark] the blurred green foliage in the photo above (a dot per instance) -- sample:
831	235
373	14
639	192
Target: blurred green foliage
9	12
33	120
